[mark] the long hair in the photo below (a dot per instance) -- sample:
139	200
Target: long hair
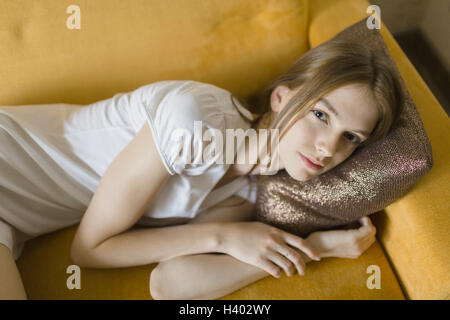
331	65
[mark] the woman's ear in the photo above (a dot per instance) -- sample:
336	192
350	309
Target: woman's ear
279	97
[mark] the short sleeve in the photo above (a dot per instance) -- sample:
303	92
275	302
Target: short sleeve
179	123
248	191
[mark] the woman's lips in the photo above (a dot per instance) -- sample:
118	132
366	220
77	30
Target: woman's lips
308	163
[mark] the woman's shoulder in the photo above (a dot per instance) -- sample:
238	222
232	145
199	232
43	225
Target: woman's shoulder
196	99
190	101
184	88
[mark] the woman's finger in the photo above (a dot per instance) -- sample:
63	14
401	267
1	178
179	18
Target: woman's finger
372	227
367	227
367	243
301	244
365	221
270	268
281	260
294	256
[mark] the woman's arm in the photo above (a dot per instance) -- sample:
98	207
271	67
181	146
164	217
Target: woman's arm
207	276
104	238
203	276
210	276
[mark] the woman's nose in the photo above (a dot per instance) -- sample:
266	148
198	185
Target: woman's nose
327	147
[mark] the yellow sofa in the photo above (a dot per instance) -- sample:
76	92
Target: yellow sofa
238	45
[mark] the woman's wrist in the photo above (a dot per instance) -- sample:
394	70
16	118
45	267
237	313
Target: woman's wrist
220	235
315	240
317	249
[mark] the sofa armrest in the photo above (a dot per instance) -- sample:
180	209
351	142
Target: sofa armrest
414	229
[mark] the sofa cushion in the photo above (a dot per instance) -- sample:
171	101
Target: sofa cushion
45	260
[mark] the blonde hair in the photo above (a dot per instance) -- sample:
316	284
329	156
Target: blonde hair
331	65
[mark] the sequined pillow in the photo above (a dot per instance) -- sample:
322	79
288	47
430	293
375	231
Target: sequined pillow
368	181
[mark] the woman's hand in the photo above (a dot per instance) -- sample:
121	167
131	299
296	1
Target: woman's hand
344	243
265	247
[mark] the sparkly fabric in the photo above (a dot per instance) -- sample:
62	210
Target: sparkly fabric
368	181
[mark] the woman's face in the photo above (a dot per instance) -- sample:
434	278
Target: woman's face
323	135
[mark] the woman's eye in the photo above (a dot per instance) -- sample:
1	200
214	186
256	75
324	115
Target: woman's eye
352	138
320	113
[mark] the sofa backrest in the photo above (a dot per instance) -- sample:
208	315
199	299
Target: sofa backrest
53	51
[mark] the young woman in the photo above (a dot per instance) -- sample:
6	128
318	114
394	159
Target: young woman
336	98
116	166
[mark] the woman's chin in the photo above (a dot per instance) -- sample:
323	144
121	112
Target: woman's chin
300	175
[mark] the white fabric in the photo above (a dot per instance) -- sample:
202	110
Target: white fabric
52	156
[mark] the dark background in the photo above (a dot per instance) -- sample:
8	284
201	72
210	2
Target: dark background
422	29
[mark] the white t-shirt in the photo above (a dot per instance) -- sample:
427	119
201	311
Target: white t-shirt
52	156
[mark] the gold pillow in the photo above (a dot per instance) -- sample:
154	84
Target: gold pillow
368	181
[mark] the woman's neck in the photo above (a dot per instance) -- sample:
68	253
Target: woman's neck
236	169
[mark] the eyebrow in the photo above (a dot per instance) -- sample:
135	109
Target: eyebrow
333	110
